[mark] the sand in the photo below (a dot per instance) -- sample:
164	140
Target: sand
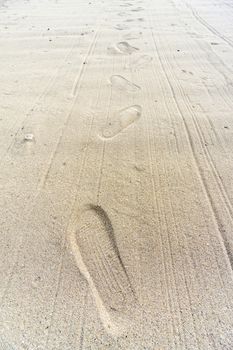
116	175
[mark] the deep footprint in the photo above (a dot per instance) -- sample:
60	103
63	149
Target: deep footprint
126	48
97	255
121	83
122	120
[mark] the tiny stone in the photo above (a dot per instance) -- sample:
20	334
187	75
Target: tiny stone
28	137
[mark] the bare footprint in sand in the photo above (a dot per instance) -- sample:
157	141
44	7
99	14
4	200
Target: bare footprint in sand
131	36
122	14
127	4
126	48
129	20
95	249
123	47
138	9
121	27
119	82
122	120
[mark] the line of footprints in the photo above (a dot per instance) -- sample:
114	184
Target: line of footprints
91	233
126	116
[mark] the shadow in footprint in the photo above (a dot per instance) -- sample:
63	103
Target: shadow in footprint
121	27
129	20
138	9
119	82
95	249
126	48
122	47
122	120
127	4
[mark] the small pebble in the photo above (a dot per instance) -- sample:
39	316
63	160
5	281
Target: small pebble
28	137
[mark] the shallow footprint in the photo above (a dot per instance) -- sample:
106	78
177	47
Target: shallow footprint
131	36
129	20
126	5
121	27
126	48
94	247
122	120
138	9
121	83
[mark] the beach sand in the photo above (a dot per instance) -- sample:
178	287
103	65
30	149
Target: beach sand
116	175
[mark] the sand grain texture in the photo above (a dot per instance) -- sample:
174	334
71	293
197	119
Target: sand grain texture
116	152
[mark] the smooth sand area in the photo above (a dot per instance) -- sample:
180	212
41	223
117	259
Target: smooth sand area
116	175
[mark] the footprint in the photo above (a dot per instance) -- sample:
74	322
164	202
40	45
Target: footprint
138	9
122	14
121	27
127	4
131	36
122	120
126	48
95	249
122	47
112	50
121	83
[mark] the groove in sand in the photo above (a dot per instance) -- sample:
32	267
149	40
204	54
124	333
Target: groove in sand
93	243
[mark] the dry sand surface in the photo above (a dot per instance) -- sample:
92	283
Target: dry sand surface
116	174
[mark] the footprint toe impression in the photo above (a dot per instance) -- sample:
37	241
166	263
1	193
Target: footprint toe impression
96	253
123	119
